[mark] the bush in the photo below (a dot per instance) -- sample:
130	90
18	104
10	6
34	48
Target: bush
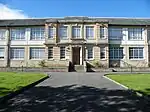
42	63
97	64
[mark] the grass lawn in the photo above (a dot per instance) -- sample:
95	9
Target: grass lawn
137	82
12	81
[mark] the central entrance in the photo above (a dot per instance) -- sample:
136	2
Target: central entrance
76	55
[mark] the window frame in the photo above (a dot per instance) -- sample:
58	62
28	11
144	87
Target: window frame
102	35
80	33
60	35
53	32
103	50
52	51
117	50
13	55
134	31
2	57
34	31
17	38
3	31
111	33
39	57
138	53
61	49
92	53
88	28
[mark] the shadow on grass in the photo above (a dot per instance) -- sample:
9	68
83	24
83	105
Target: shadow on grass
74	98
4	91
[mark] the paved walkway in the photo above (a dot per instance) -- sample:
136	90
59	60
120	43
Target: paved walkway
76	92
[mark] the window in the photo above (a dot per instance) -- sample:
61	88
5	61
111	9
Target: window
116	53
90	52
102	32
102	53
37	53
136	53
135	33
1	53
76	33
17	53
2	34
62	52
50	52
37	33
51	32
63	32
18	34
89	32
115	33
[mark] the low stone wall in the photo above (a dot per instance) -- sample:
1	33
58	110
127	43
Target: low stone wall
31	69
118	69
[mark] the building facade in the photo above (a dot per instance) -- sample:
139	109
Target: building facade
112	42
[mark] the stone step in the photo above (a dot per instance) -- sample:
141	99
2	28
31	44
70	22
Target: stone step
79	68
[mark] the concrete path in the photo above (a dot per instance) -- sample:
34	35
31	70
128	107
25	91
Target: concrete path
76	92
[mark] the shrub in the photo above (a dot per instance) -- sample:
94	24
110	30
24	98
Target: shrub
42	63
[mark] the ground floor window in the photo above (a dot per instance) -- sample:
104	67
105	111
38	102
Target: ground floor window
62	52
102	53
116	53
90	52
17	53
37	53
50	52
1	53
136	53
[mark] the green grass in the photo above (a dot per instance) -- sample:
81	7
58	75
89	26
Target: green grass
137	82
12	81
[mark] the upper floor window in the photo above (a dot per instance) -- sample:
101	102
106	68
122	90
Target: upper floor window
2	34
18	34
37	33
116	53
17	53
2	53
63	32
136	53
90	32
76	31
51	31
115	33
102	32
89	52
135	33
37	53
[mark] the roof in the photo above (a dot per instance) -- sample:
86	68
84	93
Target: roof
42	21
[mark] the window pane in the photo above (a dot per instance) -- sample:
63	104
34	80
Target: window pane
102	51
63	32
102	32
136	53
89	32
37	53
17	53
50	52
37	33
1	53
116	53
76	32
51	32
2	34
18	34
115	33
135	33
62	52
90	52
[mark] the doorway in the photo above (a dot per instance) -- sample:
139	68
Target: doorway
76	55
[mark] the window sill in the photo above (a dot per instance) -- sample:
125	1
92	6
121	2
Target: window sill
36	59
136	59
37	40
63	59
19	40
104	59
51	59
17	59
90	59
134	40
116	59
